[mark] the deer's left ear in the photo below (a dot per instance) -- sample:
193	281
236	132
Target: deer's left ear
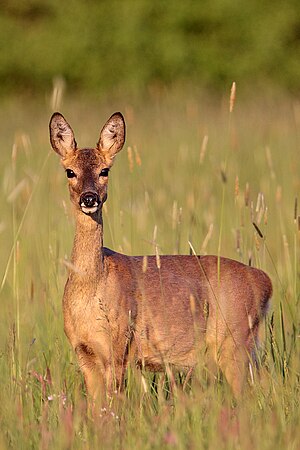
112	136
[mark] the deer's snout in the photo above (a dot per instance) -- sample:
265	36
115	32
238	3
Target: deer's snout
89	202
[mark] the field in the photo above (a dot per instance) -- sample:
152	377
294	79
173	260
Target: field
191	172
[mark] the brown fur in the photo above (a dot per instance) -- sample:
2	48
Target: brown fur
115	309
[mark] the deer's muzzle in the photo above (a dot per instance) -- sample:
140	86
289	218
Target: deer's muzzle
89	202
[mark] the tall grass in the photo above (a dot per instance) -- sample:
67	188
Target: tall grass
187	179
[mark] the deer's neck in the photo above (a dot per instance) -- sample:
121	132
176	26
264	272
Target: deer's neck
87	254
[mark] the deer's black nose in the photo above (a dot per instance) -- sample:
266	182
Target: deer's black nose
89	199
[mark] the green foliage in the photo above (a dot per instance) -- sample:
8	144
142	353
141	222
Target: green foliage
128	45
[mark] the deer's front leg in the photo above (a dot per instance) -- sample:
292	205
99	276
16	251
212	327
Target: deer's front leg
102	376
93	372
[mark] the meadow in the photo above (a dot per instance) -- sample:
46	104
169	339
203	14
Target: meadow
192	174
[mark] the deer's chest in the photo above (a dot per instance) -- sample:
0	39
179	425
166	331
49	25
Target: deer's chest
89	315
82	315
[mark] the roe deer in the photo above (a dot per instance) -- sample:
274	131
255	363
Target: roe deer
161	312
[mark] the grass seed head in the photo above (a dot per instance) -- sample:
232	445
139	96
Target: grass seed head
236	188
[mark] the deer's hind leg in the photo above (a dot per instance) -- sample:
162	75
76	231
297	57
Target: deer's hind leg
232	350
233	361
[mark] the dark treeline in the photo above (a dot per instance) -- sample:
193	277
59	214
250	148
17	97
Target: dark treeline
130	44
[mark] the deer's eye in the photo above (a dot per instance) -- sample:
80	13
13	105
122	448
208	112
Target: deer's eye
104	173
70	173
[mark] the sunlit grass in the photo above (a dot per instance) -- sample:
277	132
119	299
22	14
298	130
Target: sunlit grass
195	173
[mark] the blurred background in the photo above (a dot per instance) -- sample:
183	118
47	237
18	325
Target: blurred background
133	45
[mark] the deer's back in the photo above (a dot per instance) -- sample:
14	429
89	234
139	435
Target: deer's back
173	301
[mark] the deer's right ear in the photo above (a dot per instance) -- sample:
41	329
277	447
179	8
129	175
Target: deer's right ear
61	135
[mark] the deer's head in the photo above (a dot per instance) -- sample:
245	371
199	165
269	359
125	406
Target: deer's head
87	168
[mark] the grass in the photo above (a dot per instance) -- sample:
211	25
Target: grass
194	173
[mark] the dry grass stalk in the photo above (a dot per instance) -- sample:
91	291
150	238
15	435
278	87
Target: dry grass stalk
145	264
137	157
258	202
238	241
270	162
260	207
258	230
203	149
26	143
130	115
154	234
207	238
18	189
247	195
295	209
257	243
130	158
252	211
57	93
65	208
14	155
232	97
266	216
17	251
71	267
158	264
174	215
144	384
260	216
278	195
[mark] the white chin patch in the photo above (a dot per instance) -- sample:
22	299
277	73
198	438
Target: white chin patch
91	210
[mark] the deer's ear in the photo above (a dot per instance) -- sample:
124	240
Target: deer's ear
112	136
61	135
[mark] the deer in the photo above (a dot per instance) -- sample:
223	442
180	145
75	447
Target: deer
121	309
